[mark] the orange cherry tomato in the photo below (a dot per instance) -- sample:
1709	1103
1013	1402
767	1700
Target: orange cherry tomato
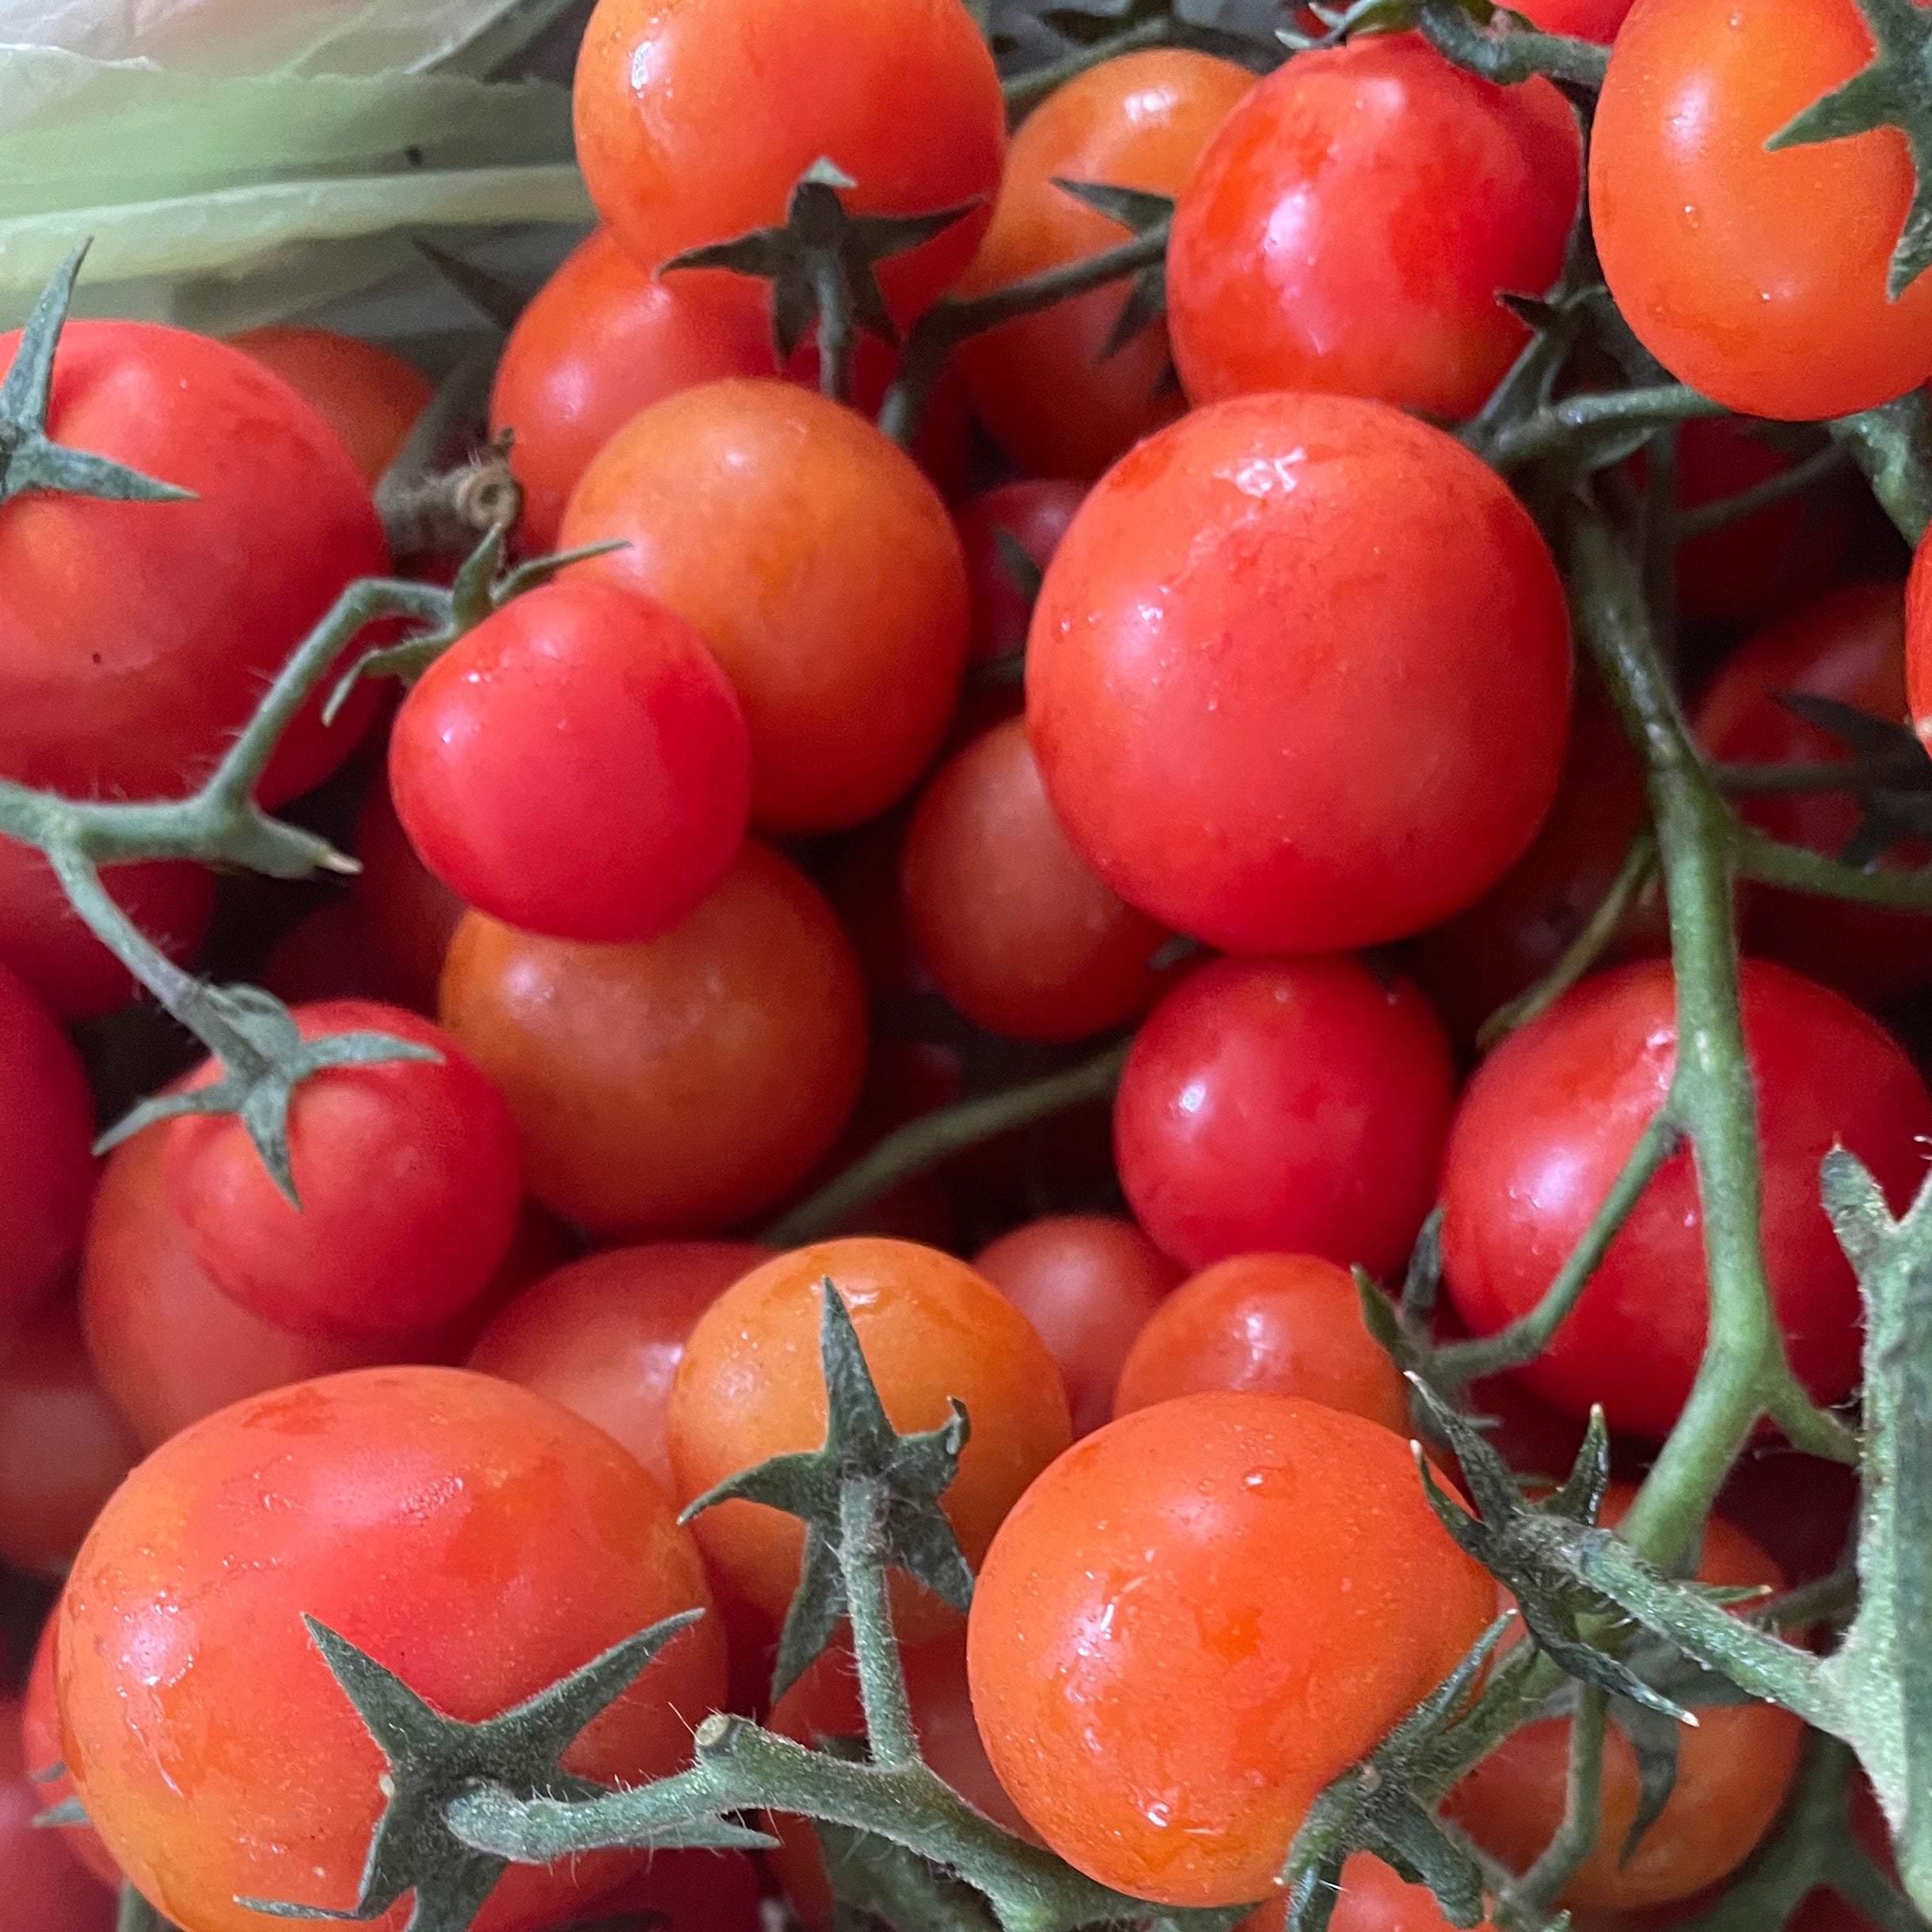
368	396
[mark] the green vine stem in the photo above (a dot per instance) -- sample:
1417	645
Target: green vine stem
1771	863
1575	1837
1612	417
1024	90
1508	53
881	1677
1892	445
1688	525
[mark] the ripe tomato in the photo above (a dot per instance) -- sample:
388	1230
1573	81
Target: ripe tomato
1285	1105
1373	1897
1273	1323
476	1539
1733	1769
1160	1708
686	1892
1300	677
910	110
1588	19
407	913
1547	1124
41	1751
815	560
1018	931
408	1176
604	1335
1918	642
575	765
825	1704
1032	512
1850	645
679	1085
135	637
1299	259
368	396
749	1387
1088	1283
64	1446
326	955
46	1889
1047	386
47	1164
1756	275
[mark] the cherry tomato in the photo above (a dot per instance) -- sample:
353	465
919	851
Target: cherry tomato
1918	642
825	1704
135	637
815	560
679	1085
749	1387
476	1538
368	396
687	1892
1033	513
1798	1509
1019	932
1372	1897
1733	1769
45	941
575	765
1054	394
41	1751
1300	677
46	1889
1758	276
1273	1323
1850	646
1161	1709
604	1335
1547	1124
1588	19
406	1172
325	956
910	111
1088	1283
1285	1105
1298	259
47	1165
406	912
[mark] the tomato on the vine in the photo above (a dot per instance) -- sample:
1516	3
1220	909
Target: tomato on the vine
406	913
368	396
1372	1897
43	1751
1299	676
1587	20
46	1889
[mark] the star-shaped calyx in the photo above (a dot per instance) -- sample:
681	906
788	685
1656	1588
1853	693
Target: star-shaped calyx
906	1476
29	458
434	1758
1139	213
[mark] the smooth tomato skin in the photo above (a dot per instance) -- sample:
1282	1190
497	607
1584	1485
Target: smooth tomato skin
1757	277
604	1335
134	689
911	110
408	1174
1271	1324
1551	1116
1260	618
1918	642
47	943
1587	20
1302	259
47	1164
576	766
1290	1106
40	1751
495	1541
1733	1769
1032	512
368	395
1089	1283
326	955
750	1386
408	915
818	564
673	1087
1044	386
1161	1709
688	1891
46	1889
1850	645
1372	1897
1017	930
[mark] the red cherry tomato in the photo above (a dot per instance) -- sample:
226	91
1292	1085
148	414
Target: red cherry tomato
46	1889
750	1386
407	1174
1372	1897
576	765
1032	513
1018	931
1918	642
1053	392
1285	1105
1300	677
815	560
41	1751
1756	276
325	956
677	1085
1272	1323
47	1165
1298	261
1088	1283
1849	646
910	111
1161	1709
368	396
135	637
604	1335
1547	1124
687	1892
513	1542
407	913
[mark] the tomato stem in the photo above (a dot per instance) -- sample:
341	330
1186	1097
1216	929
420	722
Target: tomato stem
881	1677
1510	54
1606	417
1892	445
1023	90
1575	1837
